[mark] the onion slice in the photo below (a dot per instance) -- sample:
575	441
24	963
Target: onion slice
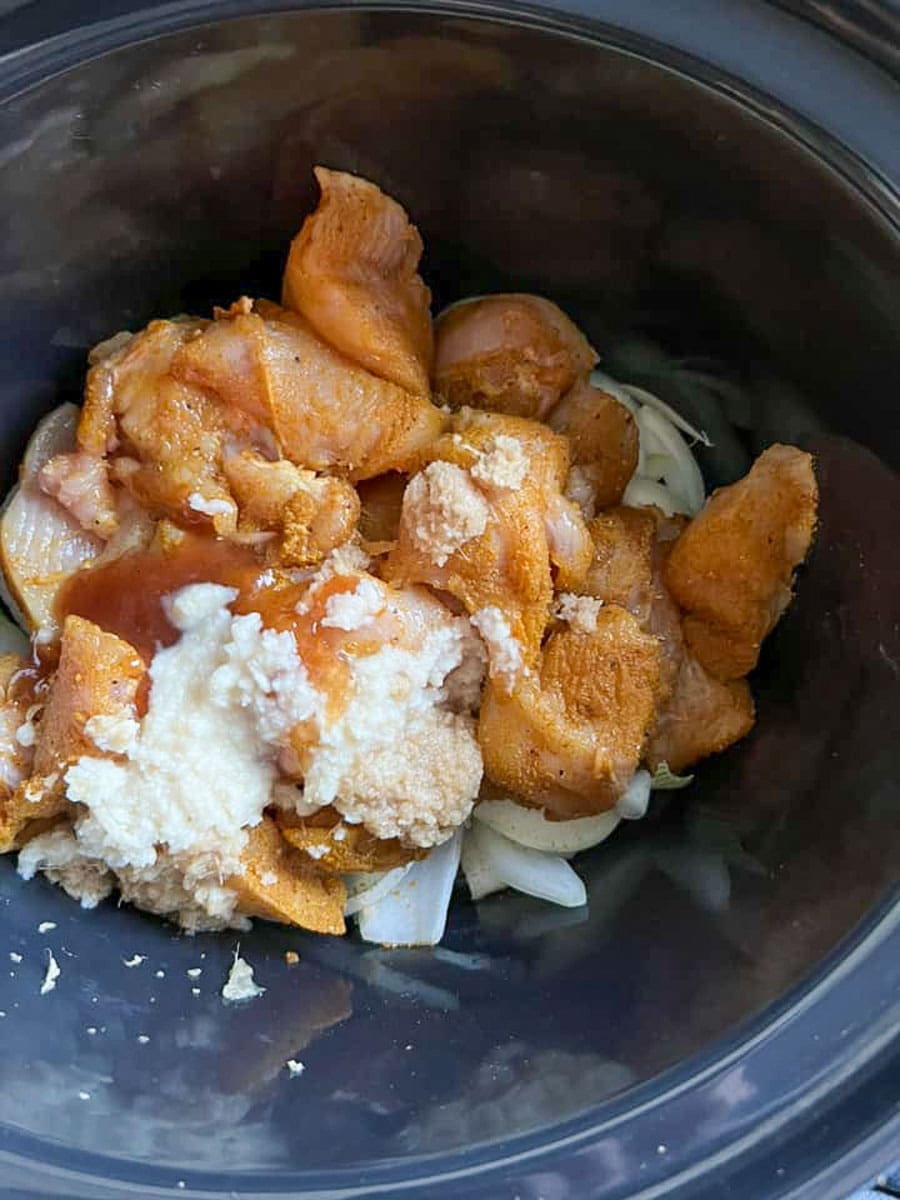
414	911
663	438
529	827
366	888
632	804
534	872
478	868
642	492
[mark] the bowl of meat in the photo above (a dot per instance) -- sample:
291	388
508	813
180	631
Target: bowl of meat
448	666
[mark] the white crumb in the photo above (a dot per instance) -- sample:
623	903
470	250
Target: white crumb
316	851
135	960
194	972
143	1039
46	926
53	973
503	465
443	510
195	991
116	734
160	974
579	611
210	508
240	984
84	1095
15	957
504	650
352	610
91	1029
295	1068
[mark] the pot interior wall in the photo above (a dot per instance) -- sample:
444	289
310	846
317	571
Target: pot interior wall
168	176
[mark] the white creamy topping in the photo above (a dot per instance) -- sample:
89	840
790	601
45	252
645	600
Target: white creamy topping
579	611
199	768
504	650
443	509
503	465
352	610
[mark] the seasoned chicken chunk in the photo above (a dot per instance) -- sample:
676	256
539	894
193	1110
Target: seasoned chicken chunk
16	756
91	693
604	439
164	437
95	688
42	544
314	514
352	272
731	570
514	354
475	523
703	716
80	482
335	846
326	412
630	548
571	735
279	883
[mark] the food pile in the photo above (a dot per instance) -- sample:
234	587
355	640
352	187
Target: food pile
328	598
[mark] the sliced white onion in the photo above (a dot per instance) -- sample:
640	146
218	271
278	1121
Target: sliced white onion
367	887
685	479
632	804
657	466
478	868
529	827
642	492
414	911
534	872
648	399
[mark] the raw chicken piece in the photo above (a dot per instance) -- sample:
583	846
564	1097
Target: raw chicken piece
731	570
630	548
703	716
571	735
165	435
98	674
352	272
514	354
41	544
313	513
475	521
80	482
334	846
279	883
603	437
16	814
326	412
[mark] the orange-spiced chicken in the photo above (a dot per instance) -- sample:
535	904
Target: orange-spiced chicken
321	602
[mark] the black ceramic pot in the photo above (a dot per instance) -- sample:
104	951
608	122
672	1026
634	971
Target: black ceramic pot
716	181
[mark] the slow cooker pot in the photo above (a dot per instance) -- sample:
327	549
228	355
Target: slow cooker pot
707	182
